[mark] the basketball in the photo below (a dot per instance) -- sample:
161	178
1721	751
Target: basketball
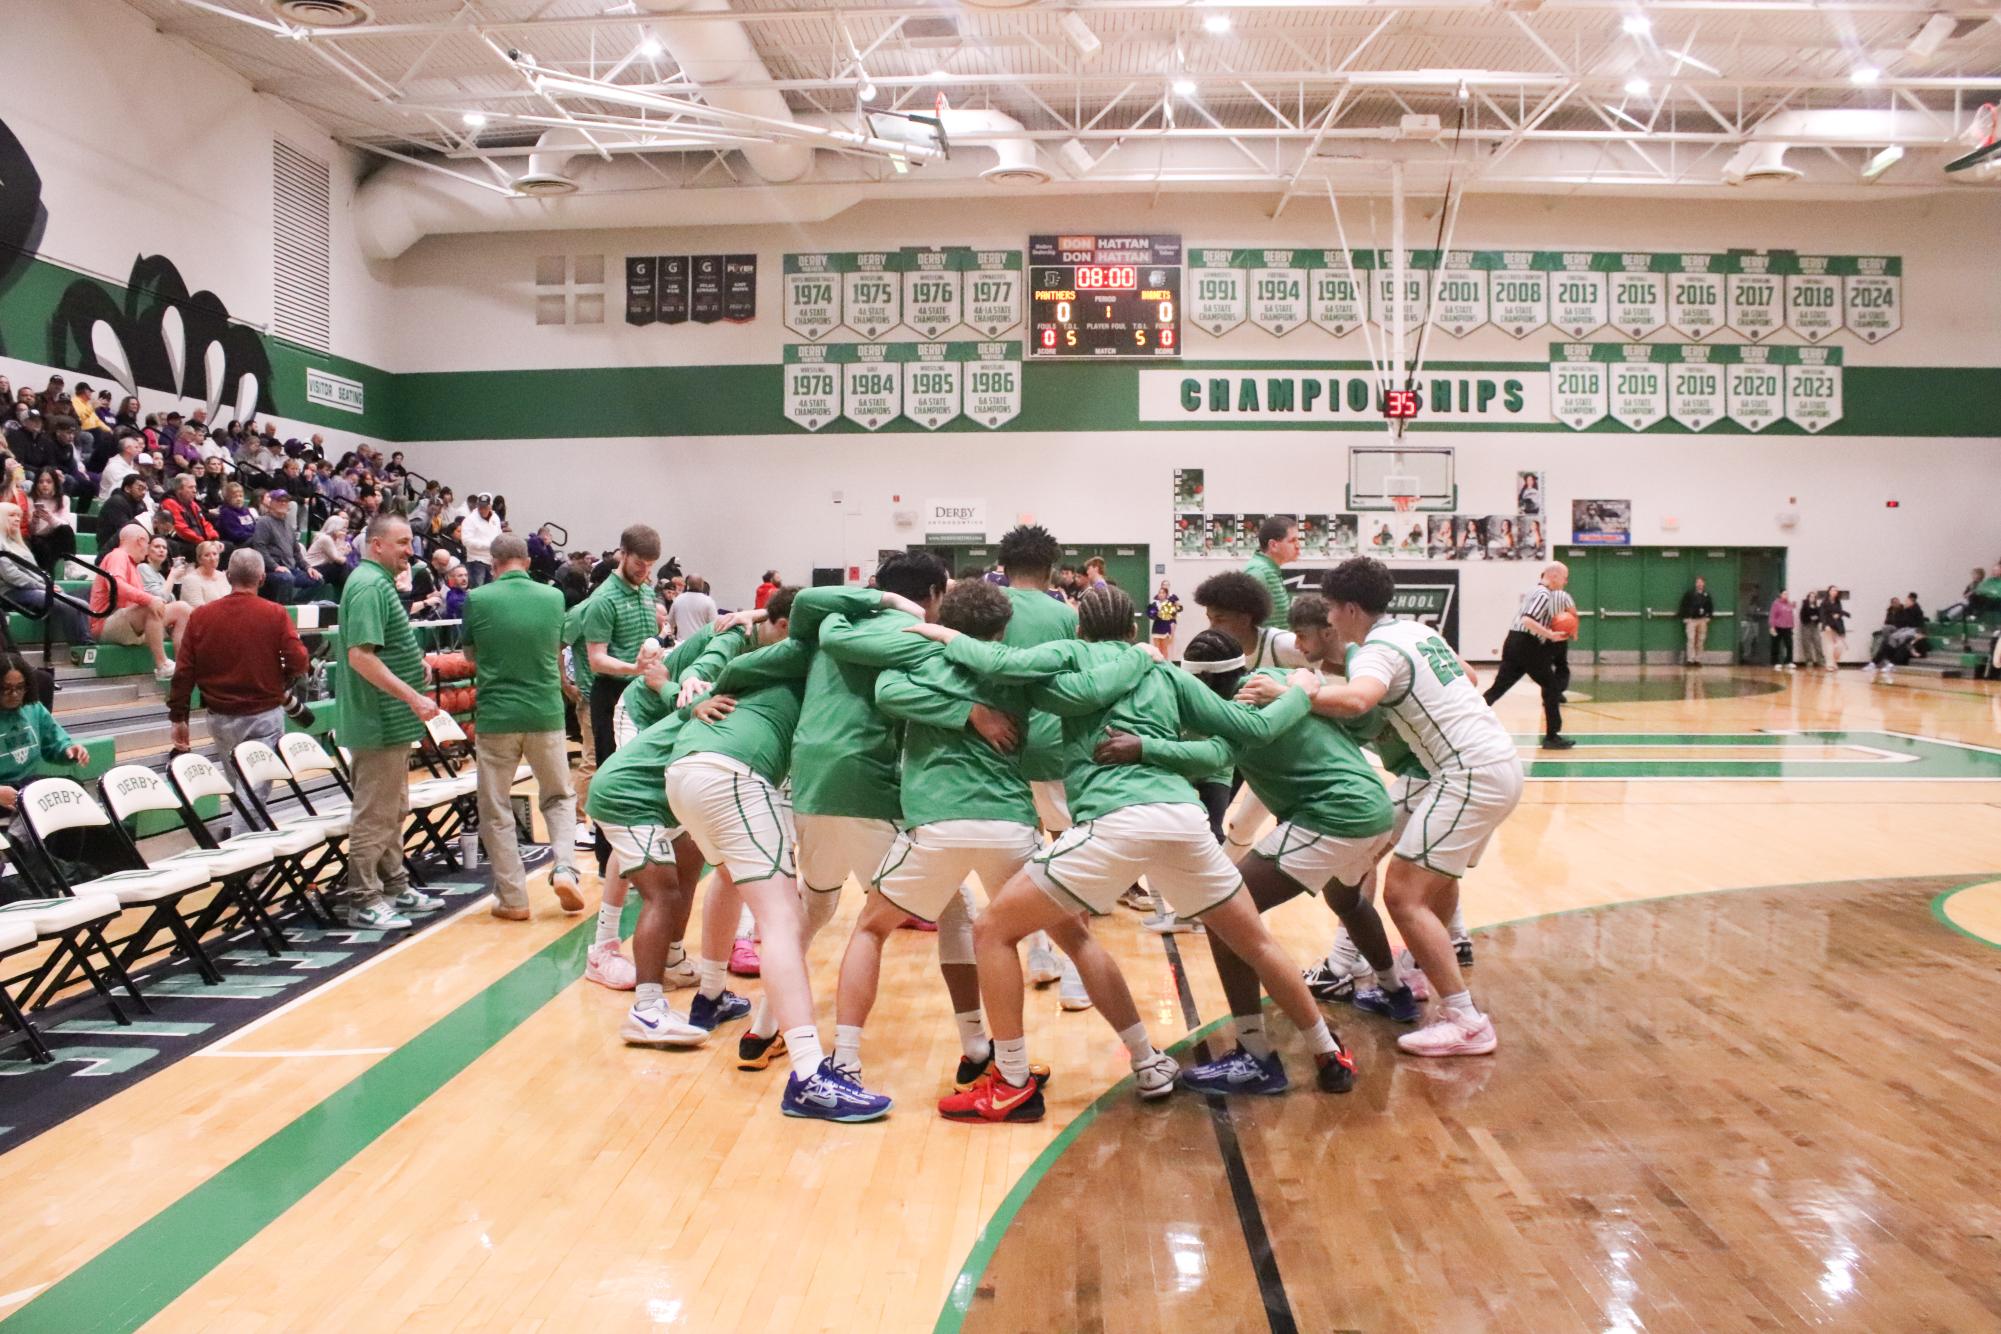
1565	624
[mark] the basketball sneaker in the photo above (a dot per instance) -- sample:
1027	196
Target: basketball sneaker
1413	976
1239	1072
682	974
1043	967
743	957
1070	993
1452	1035
1156	1076
1328	983
708	1013
587	837
916	924
1462	948
1137	899
830	1094
1336	1070
659	1026
993	1099
756	1053
568	897
372	917
1165	923
970	1071
1399	1005
416	900
608	968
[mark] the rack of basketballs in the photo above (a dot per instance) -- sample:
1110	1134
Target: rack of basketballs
451	685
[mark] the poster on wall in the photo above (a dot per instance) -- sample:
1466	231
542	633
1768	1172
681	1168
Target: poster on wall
1245	544
641	289
673	289
1412	531
1188	491
1190	537
739	288
1604	523
1467	540
1344	537
1438	537
1497	534
1378	536
1529	491
1531	540
1313	537
812	384
812	295
1222	534
705	289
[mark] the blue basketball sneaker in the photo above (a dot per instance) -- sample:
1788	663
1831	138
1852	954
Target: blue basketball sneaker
1400	1005
708	1013
830	1095
1238	1072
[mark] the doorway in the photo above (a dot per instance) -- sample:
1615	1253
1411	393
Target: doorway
1629	601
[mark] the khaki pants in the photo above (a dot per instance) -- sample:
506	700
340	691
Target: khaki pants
375	871
547	753
587	756
1698	631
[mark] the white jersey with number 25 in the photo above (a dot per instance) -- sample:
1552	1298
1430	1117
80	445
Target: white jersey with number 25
1437	711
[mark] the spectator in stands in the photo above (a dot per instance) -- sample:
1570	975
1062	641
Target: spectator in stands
1834	626
235	521
153	569
15	486
343	485
205	581
574	579
513	634
542	555
380	710
240	651
29	734
427	585
1784	617
183	508
184	453
139	618
693	609
55	401
128	505
458	584
1914	610
38	449
52	527
330	551
121	465
83	407
24	585
286	574
210	483
1897	639
129	415
500	508
477	531
766	587
395	468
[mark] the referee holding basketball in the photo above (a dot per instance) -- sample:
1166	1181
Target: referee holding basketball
1534	650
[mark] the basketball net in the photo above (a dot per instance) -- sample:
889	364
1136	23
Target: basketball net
1403	504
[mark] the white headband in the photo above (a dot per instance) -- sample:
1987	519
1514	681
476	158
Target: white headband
1196	668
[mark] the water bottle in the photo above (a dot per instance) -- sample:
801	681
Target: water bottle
469	849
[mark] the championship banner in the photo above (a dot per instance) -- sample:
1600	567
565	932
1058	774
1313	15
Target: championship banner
1639	391
1813	297
931	281
872	384
1279	280
992	381
1518	294
1872	295
871	292
641	289
813	383
1751	294
1578	294
1578	383
705	288
931	384
674	271
1459	302
1220	303
813	294
1340	290
739	288
1755	388
1416	294
991	292
1695	385
1695	296
1813	387
1639	295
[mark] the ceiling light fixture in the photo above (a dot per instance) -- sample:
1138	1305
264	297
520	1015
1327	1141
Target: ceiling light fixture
1883	161
1636	25
1638	87
1080	35
649	46
868	91
1216	24
1184	87
474	119
1864	75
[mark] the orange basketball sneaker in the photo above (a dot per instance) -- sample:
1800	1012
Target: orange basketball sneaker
992	1098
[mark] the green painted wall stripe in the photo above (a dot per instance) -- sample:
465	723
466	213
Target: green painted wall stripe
136	1277
1938	911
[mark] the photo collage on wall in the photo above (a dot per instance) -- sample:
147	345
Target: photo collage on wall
1521	535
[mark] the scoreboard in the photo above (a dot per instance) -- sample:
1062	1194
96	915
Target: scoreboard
1104	296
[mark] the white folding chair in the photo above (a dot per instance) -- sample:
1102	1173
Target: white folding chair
73	925
437	813
18	936
131	790
194	776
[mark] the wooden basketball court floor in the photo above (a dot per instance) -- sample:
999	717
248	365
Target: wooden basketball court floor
1740	955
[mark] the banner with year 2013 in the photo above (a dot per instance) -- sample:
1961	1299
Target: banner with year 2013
1696	386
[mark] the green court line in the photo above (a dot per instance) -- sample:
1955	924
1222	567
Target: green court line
1938	911
137	1276
958	1302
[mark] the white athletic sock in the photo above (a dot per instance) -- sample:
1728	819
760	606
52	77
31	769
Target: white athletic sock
1011	1055
1460	1005
1251	1035
973	1035
710	975
848	1047
648	994
1456	927
763	1023
1389	979
676	953
802	1047
1138	1045
1319	1041
746	925
608	915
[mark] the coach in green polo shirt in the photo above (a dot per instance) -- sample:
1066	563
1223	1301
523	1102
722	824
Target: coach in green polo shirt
514	635
1278	544
381	709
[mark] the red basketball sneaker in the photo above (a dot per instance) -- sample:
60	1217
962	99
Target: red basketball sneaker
992	1098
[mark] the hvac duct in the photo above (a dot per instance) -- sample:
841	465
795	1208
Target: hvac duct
713	55
1763	157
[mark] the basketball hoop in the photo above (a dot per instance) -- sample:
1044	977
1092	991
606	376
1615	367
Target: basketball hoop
1403	504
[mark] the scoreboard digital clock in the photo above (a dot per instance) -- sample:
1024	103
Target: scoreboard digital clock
1104	296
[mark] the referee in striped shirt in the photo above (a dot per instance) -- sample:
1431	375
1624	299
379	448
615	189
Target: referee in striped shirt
1534	650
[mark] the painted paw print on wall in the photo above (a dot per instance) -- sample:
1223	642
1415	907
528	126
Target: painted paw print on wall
165	339
22	217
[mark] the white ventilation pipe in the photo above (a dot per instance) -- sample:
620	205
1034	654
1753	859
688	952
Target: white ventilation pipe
1762	157
714	55
965	129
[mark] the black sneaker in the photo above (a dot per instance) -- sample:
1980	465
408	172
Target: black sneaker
1327	984
756	1053
1336	1072
1463	949
970	1070
1554	742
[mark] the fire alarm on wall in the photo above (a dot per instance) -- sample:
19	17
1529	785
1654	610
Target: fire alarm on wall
1891	504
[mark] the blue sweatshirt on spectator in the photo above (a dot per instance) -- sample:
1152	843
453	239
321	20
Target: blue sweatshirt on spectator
28	736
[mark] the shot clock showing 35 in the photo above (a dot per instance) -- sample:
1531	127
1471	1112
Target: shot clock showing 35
1104	296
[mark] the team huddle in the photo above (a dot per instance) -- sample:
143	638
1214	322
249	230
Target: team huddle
923	733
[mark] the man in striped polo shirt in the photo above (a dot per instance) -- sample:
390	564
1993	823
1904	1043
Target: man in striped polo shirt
1533	650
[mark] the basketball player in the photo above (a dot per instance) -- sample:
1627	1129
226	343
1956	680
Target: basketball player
1132	819
1333	826
1241	607
1531	650
966	810
722	783
1476	780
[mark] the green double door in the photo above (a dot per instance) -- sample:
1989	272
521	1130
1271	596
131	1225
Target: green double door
1629	600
